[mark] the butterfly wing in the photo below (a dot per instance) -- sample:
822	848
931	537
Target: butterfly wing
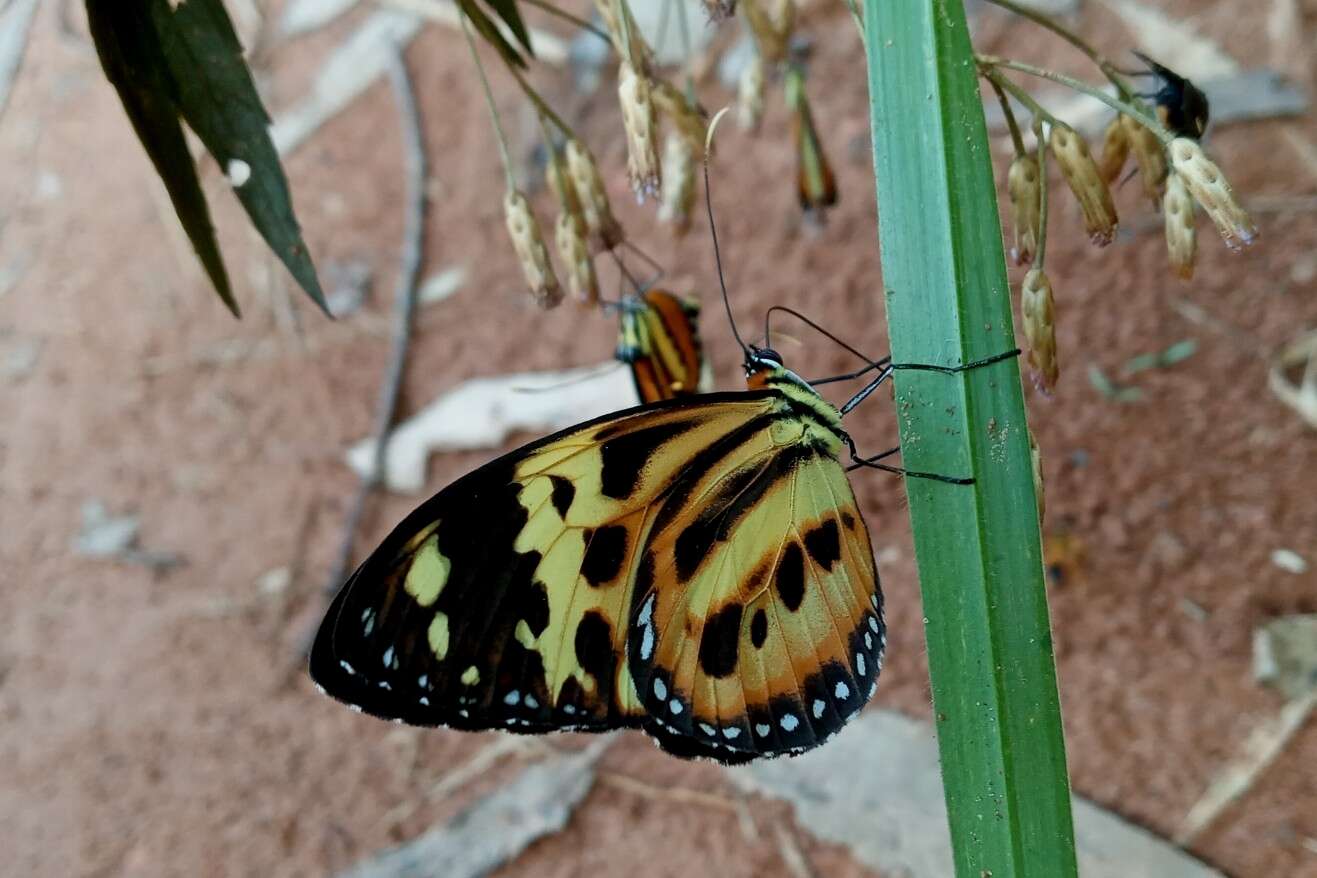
758	628
660	342
502	601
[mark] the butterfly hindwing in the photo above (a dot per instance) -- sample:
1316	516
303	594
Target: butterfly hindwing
763	650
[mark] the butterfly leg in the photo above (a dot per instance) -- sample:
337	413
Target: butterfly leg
872	463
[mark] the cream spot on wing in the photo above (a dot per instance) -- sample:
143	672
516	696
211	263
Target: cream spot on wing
428	574
523	635
471	676
438	636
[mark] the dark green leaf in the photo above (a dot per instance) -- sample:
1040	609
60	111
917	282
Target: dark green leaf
489	31
133	61
216	96
511	15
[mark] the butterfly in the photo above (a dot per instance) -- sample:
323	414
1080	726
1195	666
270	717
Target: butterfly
1181	105
659	340
695	567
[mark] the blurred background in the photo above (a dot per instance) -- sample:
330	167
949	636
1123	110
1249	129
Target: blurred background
173	482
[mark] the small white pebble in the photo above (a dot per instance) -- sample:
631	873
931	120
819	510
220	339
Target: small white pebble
1289	560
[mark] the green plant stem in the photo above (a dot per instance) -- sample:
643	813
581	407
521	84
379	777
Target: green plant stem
499	135
1038	110
542	105
978	548
1129	108
569	17
1109	70
1008	114
1041	250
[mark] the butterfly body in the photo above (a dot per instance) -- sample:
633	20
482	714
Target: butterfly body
695	567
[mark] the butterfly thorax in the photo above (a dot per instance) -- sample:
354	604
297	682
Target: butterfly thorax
805	409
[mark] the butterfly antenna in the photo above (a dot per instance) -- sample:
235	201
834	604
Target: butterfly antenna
713	228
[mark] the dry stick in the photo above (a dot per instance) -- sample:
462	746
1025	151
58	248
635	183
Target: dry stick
404	310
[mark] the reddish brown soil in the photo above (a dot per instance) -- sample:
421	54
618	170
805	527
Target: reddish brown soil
145	726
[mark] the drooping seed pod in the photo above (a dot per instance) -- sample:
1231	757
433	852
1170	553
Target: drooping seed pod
1036	459
689	121
641	123
1115	151
815	184
678	183
719	10
1181	235
1081	174
1209	188
1150	155
574	253
531	251
1024	187
750	95
771	37
1038	313
588	183
560	181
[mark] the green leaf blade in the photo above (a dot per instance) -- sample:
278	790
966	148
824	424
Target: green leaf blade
978	548
133	61
216	96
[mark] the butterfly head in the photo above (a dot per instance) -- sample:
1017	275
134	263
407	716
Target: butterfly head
763	368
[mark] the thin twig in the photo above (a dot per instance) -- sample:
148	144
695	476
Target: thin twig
404	310
567	16
1109	70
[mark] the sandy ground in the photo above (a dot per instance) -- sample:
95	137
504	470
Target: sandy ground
145	726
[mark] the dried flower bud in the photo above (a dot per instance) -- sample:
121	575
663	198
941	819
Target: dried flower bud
641	123
689	121
718	10
531	252
1209	188
1081	174
772	33
1036	459
1115	150
1150	156
588	183
678	183
1025	190
750	95
1038	313
1181	237
641	54
575	255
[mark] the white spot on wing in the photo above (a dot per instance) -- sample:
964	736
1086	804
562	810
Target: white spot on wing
708	729
423	680
789	722
530	701
238	172
868	640
569	709
675	706
646	611
819	706
660	689
873	624
762	729
512	698
859	663
388	657
424	700
647	641
842	690
731	734
347	667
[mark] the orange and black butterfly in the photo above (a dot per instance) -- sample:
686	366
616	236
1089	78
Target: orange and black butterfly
815	185
659	340
1181	105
